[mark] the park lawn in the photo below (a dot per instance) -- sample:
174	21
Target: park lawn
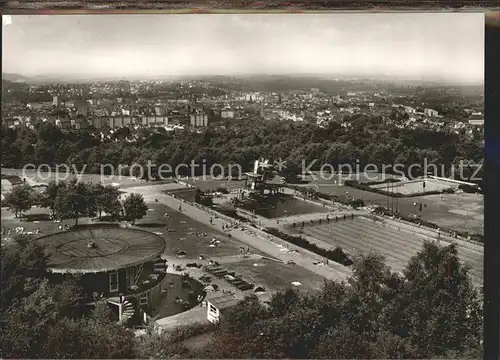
274	276
445	212
36	218
193	245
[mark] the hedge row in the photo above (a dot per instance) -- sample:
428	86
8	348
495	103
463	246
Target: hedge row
232	214
336	254
386	181
470	189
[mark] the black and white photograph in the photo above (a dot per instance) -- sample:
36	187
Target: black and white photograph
243	185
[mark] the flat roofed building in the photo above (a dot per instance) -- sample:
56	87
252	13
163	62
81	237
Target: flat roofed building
476	122
431	112
227	114
160	111
116	264
198	120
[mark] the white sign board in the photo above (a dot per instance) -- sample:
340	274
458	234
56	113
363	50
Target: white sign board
213	314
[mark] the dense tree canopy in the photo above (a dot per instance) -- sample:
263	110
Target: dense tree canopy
50	194
367	140
106	199
19	199
67	201
430	310
74	201
135	207
41	319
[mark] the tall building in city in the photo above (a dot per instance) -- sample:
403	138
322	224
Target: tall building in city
198	120
227	114
56	101
409	110
431	112
160	111
82	109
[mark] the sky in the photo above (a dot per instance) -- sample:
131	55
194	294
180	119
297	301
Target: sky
447	46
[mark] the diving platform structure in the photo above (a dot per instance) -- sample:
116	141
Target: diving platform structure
263	178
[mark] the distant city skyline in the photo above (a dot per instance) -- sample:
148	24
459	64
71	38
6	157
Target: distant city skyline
417	46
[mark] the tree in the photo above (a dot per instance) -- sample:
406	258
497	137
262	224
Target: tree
135	207
39	327
43	319
70	298
50	194
376	314
438	307
21	264
19	199
74	201
37	198
88	338
106	199
282	302
101	312
246	312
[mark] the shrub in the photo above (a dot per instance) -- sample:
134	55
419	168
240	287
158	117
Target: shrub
470	189
357	203
448	191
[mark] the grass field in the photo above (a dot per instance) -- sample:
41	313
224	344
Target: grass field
275	276
446	211
416	186
42	223
45	177
363	235
185	227
329	179
212	184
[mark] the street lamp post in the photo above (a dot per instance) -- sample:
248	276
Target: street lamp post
420	205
